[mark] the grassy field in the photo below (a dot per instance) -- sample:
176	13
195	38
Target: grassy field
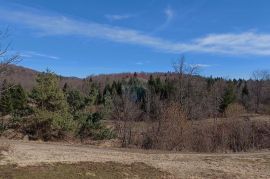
82	170
59	160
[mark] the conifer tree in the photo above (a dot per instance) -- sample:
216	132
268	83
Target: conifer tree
75	100
51	104
47	93
5	101
93	94
228	98
19	97
108	102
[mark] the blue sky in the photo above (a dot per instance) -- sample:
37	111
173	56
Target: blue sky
228	38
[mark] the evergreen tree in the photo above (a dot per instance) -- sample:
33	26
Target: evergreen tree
245	95
19	97
65	88
51	104
245	91
108	104
228	98
75	100
151	81
116	88
107	88
47	94
93	95
158	85
13	99
6	100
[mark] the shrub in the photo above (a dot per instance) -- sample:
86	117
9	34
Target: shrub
168	132
171	126
90	126
47	125
234	135
235	110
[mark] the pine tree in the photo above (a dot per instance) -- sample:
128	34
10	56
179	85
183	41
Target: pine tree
93	94
75	100
65	88
245	91
51	104
19	98
228	98
47	93
5	101
245	95
108	102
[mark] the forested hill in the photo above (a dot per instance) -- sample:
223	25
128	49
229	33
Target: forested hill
27	77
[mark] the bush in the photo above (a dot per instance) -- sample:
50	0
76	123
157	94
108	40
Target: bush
235	110
169	131
90	126
234	135
171	126
47	125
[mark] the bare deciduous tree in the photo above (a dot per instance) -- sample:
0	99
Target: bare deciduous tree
185	73
260	77
6	57
126	112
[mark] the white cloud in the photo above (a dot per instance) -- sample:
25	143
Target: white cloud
169	14
116	17
32	54
246	43
242	43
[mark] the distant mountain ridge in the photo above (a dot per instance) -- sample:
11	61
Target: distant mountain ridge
27	77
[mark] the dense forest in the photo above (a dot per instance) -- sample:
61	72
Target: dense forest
178	110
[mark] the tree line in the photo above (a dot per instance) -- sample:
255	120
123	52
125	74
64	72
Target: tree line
166	104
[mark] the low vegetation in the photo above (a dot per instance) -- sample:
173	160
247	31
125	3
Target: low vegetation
109	170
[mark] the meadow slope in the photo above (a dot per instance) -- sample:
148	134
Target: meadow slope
181	165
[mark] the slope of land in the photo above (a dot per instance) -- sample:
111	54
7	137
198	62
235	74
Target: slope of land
27	77
182	165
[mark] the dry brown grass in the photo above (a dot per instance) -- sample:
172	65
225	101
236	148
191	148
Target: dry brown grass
182	165
235	110
83	170
4	146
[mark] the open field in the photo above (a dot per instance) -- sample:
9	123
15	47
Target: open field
83	170
89	161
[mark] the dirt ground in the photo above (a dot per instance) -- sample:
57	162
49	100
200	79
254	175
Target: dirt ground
180	165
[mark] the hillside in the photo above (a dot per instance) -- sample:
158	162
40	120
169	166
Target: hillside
27	77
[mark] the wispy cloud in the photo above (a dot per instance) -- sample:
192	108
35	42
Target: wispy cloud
33	54
139	63
117	17
200	65
169	14
246	43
